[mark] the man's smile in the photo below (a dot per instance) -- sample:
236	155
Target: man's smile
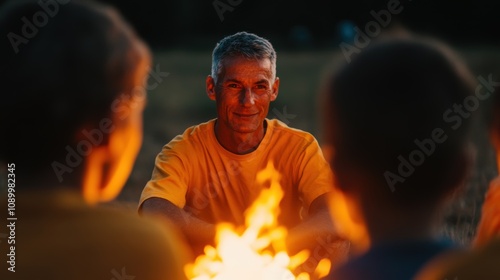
246	115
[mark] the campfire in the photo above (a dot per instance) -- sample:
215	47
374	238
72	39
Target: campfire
257	251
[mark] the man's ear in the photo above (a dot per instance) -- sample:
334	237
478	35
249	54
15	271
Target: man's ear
210	87
275	88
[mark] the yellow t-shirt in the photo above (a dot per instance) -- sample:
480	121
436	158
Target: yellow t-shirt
196	173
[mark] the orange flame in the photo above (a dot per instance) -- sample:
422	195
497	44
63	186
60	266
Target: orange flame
347	220
260	251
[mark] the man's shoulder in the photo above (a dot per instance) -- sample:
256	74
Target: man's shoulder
295	133
202	128
193	135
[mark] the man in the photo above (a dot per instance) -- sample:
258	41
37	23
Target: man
208	174
71	122
400	151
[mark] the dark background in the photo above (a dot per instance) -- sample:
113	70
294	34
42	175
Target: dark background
195	24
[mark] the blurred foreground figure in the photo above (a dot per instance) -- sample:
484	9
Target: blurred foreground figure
207	175
72	79
489	225
400	149
482	261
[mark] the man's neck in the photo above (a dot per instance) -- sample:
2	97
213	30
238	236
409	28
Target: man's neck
240	143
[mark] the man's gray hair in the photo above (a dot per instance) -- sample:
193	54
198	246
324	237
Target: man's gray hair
243	44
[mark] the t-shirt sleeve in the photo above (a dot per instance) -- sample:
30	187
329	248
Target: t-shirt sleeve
316	176
169	179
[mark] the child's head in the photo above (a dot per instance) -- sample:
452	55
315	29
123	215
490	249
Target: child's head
73	93
398	120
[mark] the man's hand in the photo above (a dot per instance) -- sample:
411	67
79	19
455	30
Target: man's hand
317	224
317	234
197	232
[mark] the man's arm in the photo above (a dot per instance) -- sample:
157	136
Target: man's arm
316	230
198	233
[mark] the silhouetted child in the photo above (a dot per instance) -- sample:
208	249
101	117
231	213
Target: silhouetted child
394	118
483	259
72	76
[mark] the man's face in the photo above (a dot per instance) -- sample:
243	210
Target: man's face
243	93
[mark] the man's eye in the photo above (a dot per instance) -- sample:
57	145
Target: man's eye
232	86
261	87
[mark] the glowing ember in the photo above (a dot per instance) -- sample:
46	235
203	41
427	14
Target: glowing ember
259	252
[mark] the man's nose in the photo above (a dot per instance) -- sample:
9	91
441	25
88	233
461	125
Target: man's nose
247	97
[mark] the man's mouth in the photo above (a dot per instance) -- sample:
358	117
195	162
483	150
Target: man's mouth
245	115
